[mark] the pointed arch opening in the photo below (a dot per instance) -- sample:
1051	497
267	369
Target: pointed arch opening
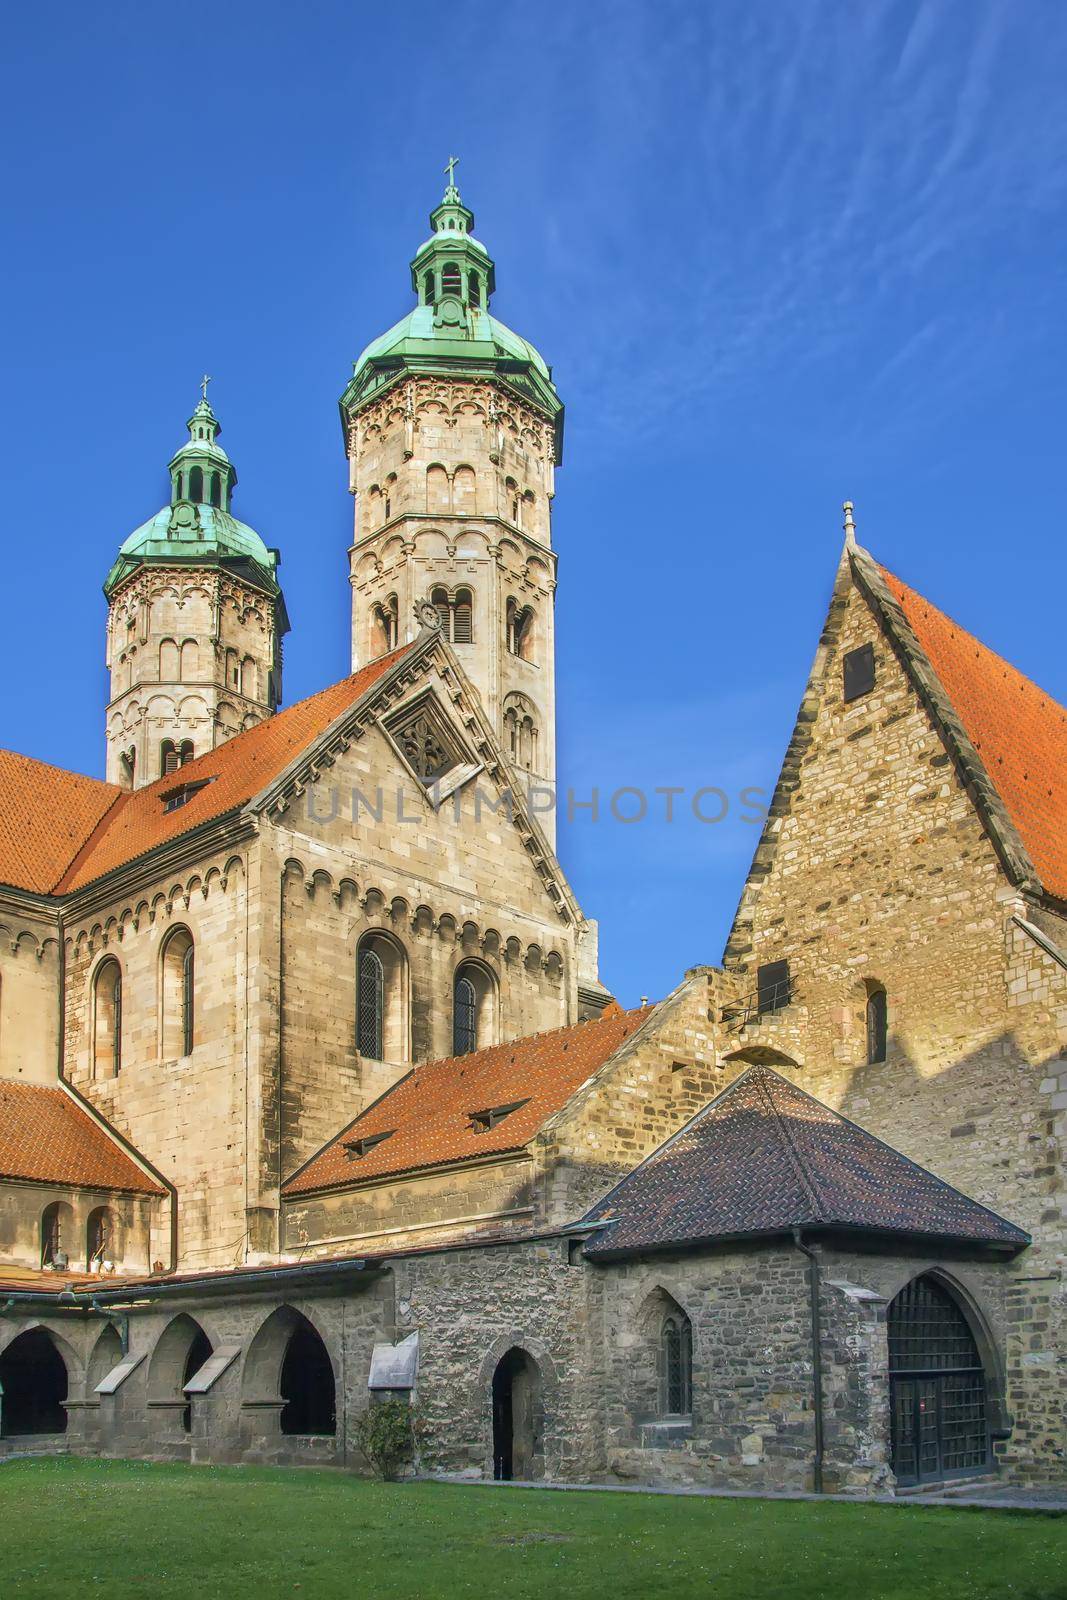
180	1352
33	1384
289	1366
937	1385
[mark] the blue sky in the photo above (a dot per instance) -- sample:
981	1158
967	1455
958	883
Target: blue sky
779	254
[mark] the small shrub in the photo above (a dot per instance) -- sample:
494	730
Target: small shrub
385	1433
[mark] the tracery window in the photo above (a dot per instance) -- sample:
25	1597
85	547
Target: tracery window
370	1002
676	1352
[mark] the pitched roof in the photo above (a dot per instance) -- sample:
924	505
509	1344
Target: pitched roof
46	1137
46	815
1019	731
763	1158
427	1115
59	831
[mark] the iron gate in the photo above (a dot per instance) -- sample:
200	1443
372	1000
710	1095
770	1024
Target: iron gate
937	1387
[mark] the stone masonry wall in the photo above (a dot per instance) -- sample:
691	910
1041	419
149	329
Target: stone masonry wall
882	873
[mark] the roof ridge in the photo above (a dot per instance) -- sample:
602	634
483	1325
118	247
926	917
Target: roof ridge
807	1180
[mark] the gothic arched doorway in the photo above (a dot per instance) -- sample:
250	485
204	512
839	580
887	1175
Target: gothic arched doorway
517	1417
33	1384
937	1387
307	1384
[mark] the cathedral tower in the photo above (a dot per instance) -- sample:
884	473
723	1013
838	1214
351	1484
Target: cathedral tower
454	429
195	621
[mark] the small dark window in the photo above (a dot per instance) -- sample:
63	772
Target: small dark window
367	1141
216	489
773	988
858	672
482	1121
181	485
196	483
877	1025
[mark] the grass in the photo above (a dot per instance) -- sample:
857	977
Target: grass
129	1528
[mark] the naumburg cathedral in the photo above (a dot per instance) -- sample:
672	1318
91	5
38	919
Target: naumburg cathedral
310	1092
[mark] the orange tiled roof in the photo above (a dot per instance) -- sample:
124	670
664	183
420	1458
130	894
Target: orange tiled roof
428	1113
1018	730
46	815
60	831
46	1137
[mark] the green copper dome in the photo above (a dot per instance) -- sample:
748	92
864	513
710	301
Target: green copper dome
451	328
198	528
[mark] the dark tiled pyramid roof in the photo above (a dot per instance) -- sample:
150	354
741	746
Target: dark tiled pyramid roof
765	1157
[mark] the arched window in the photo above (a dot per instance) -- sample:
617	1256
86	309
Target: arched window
473	1009
370	1003
168	757
233	669
185	752
100	1240
385	626
177	985
216	489
190	661
514	502
248	678
520	732
463	617
427	288
451	279
196	483
877	1025
676	1357
464	1017
107	1019
474	289
179	487
127	765
520	630
439	599
381	999
56	1223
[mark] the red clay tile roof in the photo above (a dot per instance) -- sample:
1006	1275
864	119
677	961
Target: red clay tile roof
46	1137
428	1113
764	1157
1019	732
59	831
46	815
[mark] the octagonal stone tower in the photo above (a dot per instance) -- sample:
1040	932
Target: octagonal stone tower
454	429
195	621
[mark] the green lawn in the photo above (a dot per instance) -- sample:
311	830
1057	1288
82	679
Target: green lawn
116	1529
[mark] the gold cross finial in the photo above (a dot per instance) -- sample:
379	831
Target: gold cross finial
204	381
453	163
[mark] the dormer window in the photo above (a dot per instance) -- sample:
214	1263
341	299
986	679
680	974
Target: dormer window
483	1121
365	1142
174	799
